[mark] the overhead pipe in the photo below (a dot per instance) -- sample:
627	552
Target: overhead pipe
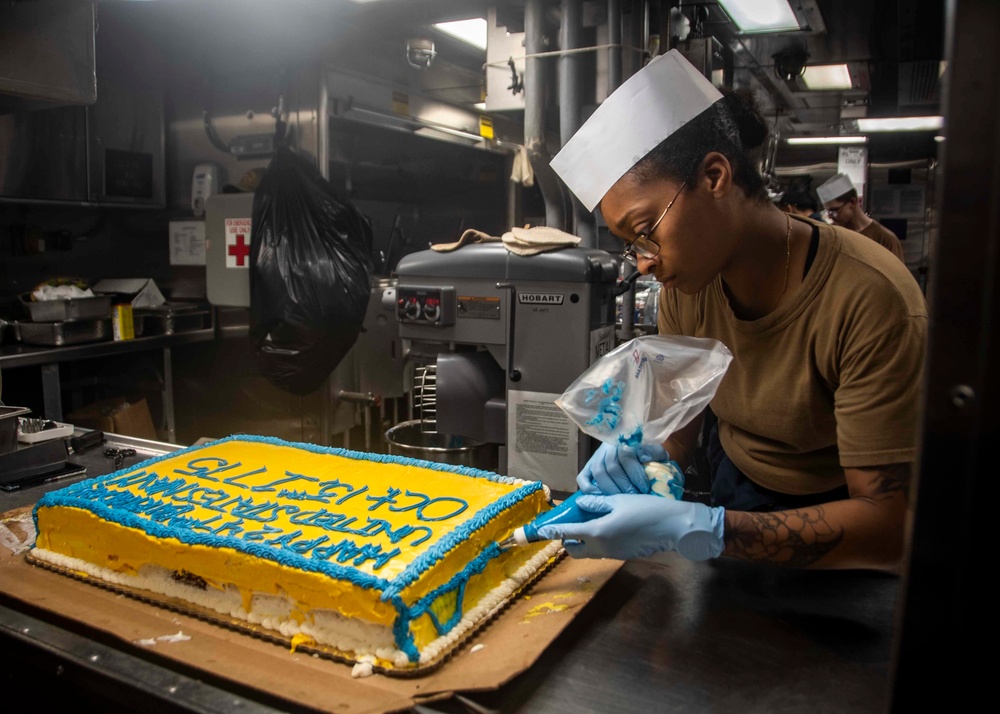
571	106
534	115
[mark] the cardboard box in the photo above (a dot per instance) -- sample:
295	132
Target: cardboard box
138	292
116	416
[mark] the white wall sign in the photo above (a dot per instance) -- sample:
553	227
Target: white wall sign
238	243
853	161
187	242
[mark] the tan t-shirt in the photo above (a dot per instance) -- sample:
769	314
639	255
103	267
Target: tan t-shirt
831	379
884	237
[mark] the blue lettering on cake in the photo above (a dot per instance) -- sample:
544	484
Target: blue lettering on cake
206	472
232	480
194	524
169	486
301	496
424	501
303	547
284	539
254	536
389	497
291	477
352	494
265	512
231	528
136	478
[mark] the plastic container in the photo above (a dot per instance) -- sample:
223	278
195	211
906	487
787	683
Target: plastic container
8	427
406	439
60	430
87	308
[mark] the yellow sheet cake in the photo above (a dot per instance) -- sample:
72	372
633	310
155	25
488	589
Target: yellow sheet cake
379	559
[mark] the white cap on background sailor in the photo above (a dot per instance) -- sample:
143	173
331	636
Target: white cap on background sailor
651	105
834	188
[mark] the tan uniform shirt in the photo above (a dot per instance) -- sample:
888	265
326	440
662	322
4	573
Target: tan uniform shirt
831	379
884	237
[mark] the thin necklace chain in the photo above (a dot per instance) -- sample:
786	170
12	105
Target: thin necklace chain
788	260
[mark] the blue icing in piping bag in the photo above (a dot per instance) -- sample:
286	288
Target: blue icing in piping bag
654	384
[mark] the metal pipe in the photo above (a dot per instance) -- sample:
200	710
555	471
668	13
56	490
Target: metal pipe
614	39
534	116
571	106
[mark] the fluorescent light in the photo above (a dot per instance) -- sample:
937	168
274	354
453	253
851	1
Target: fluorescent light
472	31
481	106
827	140
827	76
900	124
939	138
761	15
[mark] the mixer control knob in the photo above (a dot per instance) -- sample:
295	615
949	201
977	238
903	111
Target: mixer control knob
432	309
412	309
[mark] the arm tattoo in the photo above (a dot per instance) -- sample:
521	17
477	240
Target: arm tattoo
890	479
795	539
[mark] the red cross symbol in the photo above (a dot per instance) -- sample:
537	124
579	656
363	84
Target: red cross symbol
240	250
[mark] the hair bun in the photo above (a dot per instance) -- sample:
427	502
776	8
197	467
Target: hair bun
743	108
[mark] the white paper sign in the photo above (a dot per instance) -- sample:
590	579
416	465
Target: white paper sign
542	442
853	161
238	243
187	242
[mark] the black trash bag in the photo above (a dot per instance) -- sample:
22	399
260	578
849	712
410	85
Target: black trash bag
310	275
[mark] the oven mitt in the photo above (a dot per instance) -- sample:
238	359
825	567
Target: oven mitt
471	235
531	241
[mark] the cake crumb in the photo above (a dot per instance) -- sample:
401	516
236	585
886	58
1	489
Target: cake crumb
362	669
179	637
476	648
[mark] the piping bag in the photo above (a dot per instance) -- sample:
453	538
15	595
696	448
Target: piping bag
640	392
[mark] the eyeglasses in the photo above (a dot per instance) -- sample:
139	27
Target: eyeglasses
643	245
832	211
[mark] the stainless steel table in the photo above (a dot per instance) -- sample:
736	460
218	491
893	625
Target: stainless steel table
663	635
49	358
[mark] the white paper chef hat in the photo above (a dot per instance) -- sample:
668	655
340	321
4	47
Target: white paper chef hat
834	188
651	105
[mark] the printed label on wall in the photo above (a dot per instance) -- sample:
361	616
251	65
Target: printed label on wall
238	243
542	442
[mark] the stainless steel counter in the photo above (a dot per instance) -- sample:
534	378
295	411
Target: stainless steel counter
49	358
663	635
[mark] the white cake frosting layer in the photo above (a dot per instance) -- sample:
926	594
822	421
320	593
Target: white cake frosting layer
362	639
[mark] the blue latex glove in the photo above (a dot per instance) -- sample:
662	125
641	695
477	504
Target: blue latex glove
635	526
615	468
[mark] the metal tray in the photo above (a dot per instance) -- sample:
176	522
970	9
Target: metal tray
169	322
69	309
56	334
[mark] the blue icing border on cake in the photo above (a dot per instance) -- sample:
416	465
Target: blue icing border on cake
391	589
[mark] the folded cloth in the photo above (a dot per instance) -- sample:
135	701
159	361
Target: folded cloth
531	241
471	235
522	171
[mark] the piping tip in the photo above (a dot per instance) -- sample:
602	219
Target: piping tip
508	542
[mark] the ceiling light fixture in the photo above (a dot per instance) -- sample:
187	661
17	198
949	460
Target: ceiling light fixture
755	16
820	77
827	140
471	31
900	124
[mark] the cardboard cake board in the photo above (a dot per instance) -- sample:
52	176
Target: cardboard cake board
510	643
